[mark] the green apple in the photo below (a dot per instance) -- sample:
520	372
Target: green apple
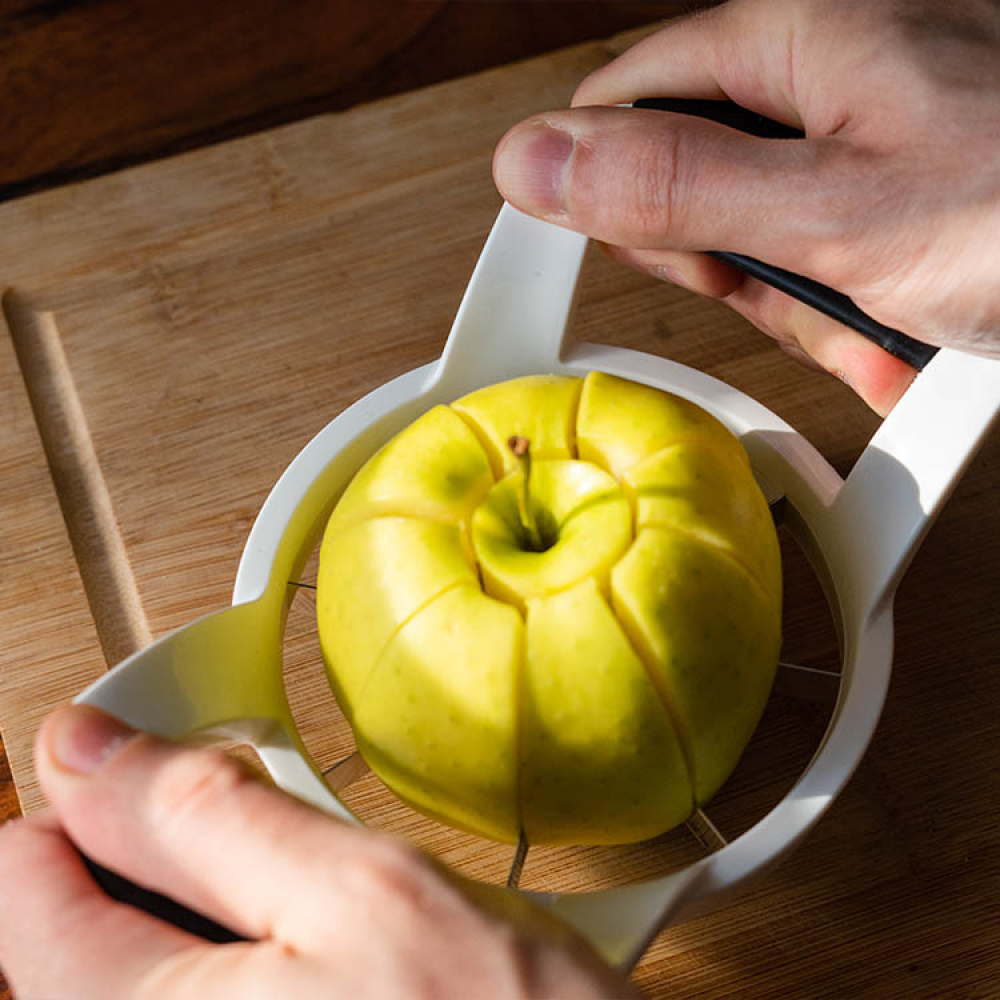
576	644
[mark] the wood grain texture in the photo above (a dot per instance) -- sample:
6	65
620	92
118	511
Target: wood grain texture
215	309
87	87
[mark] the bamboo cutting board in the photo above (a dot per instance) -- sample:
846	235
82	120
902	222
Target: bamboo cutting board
178	332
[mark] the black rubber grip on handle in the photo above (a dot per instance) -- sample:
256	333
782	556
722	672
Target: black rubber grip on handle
157	905
821	297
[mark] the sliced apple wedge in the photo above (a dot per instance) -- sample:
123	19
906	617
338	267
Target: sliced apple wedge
620	423
710	636
373	576
541	408
709	493
435	468
600	759
437	718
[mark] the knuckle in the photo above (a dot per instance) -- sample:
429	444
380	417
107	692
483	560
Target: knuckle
629	188
392	868
193	781
658	194
846	190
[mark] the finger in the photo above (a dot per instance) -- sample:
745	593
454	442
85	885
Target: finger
676	60
875	375
695	271
60	935
714	54
806	335
197	826
655	180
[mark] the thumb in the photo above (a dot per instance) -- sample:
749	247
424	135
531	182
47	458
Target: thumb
652	180
195	825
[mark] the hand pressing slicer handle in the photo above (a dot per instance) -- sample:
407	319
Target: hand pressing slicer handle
826	300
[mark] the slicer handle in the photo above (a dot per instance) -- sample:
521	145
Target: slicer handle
517	306
908	470
212	672
621	923
156	905
821	297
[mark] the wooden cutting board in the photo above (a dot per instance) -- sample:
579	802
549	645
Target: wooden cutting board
180	330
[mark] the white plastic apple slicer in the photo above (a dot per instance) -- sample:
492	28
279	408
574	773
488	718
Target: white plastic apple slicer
221	676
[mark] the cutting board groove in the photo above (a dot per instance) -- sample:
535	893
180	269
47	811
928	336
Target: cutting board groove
86	505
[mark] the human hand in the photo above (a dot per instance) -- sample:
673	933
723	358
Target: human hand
332	910
893	198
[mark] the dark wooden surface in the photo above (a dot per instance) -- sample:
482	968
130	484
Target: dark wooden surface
90	86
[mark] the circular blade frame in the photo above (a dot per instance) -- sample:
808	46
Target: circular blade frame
295	512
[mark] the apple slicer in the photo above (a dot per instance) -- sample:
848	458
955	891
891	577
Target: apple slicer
220	678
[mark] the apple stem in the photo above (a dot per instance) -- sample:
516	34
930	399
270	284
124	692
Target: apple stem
521	448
